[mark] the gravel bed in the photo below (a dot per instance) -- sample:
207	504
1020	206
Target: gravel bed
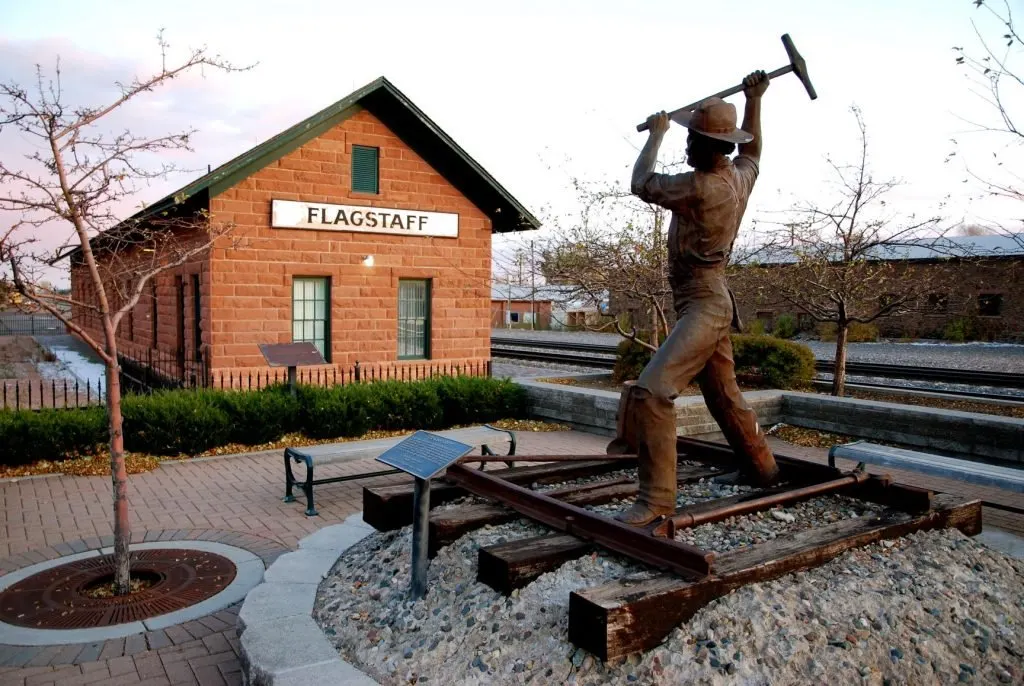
502	367
759	527
933	607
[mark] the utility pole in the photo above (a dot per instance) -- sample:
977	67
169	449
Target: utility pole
533	291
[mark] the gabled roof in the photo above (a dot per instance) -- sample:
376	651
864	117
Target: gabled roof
382	99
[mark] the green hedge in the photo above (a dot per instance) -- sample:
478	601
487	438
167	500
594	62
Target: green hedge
780	363
190	422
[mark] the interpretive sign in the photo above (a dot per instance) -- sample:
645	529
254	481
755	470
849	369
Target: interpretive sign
424	455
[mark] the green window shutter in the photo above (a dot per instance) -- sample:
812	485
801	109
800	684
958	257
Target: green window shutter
365	171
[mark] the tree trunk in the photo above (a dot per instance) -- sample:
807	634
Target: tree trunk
118	472
839	372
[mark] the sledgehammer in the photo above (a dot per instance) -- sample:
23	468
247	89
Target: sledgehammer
796	65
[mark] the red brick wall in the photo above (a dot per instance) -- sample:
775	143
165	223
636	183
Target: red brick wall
252	281
959	282
135	335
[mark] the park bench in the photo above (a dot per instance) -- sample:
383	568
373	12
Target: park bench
483	437
925	463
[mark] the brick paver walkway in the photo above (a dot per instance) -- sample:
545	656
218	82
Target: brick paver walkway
241	495
42	517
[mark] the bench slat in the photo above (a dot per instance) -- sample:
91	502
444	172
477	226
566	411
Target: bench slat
937	465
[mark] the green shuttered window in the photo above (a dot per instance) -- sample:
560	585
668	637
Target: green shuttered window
365	169
311	319
413	319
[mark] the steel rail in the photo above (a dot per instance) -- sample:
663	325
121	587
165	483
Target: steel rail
583	354
685	560
686	520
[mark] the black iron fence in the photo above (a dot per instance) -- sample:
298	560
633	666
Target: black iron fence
35	394
34	324
145	370
340	376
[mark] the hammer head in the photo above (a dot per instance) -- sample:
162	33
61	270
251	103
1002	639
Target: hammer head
799	66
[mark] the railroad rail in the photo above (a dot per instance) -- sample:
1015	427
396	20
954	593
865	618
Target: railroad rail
629	615
603	356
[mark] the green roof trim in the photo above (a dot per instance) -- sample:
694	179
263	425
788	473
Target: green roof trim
399	114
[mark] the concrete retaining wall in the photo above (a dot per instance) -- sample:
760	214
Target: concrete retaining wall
594	410
962	433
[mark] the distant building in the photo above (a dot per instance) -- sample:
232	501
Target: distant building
978	283
546	307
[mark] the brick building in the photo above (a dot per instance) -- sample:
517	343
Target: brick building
364	229
975	282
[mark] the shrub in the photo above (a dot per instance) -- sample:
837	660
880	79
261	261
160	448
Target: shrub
782	364
785	326
259	416
27	436
472	400
756	327
855	333
960	329
630	360
861	333
175	422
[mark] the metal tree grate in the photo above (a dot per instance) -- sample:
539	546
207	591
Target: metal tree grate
54	599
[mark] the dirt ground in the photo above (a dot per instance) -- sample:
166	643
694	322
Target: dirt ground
19	356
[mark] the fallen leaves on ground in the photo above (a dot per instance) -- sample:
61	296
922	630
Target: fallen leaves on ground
85	465
808	438
137	463
941	403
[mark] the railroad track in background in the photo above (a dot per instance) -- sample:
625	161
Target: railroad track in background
602	356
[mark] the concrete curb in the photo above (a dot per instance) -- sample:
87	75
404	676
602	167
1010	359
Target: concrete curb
281	644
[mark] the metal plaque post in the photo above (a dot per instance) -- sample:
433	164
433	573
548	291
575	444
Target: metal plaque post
421	518
423	455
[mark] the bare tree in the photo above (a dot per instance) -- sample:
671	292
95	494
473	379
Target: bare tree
999	82
614	248
78	176
844	260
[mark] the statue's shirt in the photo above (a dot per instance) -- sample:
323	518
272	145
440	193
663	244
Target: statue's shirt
707	207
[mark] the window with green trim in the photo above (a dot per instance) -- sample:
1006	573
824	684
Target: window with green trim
413	319
365	169
311	319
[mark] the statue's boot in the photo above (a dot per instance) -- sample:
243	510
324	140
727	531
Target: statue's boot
653	420
626	441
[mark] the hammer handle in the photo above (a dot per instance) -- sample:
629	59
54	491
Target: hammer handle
721	94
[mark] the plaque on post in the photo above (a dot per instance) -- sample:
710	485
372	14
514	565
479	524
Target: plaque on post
423	455
292	356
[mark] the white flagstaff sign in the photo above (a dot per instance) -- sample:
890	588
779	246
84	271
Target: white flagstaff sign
287	214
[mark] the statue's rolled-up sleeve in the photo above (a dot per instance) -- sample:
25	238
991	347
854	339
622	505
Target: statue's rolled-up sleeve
667	190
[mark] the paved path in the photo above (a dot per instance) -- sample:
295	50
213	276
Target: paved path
239	500
239	497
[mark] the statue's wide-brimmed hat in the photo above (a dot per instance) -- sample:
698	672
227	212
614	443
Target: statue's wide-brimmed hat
714	118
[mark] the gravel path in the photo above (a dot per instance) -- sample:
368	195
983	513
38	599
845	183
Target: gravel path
934	607
999	357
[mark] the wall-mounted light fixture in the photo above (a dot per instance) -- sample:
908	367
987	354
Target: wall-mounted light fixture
368	261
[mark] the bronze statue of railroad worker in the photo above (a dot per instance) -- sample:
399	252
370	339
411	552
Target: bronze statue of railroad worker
707	206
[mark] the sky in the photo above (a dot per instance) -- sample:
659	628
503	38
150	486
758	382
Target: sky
543	92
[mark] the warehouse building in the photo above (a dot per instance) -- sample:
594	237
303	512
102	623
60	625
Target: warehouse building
364	229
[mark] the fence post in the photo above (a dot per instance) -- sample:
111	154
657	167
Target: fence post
357	371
